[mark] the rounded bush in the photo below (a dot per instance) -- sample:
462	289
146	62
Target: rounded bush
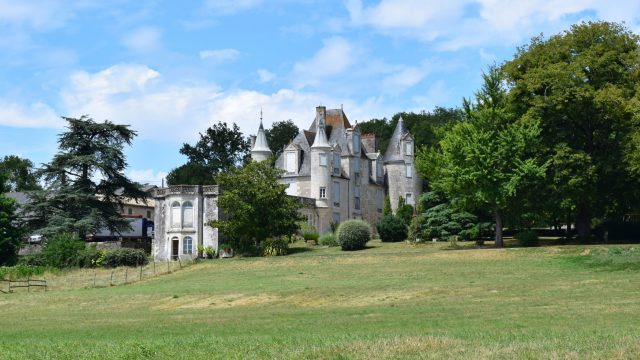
63	250
391	228
328	239
274	247
125	257
527	238
353	234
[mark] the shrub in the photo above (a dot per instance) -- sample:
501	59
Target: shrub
125	257
274	247
63	250
89	257
20	271
353	234
391	228
328	239
527	238
311	236
415	232
36	259
210	251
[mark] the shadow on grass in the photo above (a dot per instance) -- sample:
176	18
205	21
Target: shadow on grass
299	250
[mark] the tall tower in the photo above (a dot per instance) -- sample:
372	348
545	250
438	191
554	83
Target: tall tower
401	177
260	150
320	160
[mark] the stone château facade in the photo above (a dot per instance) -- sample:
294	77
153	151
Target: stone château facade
336	172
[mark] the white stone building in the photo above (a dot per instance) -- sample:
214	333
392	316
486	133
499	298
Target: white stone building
336	172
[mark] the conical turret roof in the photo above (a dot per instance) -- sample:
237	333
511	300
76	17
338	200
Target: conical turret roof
394	152
261	141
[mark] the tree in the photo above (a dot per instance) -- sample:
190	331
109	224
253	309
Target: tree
10	232
581	87
85	181
280	135
219	149
20	172
489	159
387	206
255	205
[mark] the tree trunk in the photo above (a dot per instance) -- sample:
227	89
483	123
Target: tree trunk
498	241
583	223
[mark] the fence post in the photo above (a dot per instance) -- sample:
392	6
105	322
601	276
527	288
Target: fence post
140	271
111	280
179	263
126	273
29	283
168	270
94	277
154	267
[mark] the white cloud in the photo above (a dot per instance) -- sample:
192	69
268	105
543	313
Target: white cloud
147	176
463	23
220	55
335	57
265	75
39	15
35	115
143	39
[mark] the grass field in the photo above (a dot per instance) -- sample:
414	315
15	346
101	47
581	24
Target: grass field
389	301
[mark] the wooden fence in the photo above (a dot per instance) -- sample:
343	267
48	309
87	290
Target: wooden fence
12	285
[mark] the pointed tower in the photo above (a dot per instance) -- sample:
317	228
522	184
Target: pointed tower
320	162
260	150
399	167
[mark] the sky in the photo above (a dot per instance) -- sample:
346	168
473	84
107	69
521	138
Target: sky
170	69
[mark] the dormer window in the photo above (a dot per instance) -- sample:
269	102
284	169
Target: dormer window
336	163
356	144
291	162
408	148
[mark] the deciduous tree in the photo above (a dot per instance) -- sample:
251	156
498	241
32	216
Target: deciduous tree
21	174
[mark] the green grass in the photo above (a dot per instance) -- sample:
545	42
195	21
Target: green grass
388	301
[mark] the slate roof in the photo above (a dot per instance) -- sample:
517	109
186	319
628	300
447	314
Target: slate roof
394	152
261	141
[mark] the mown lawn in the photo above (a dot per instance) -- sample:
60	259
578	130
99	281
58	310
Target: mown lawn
389	301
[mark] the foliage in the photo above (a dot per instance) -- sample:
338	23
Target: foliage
36	259
86	185
219	149
404	211
328	239
63	250
20	271
10	232
280	135
90	257
387	206
310	235
488	160
20	173
125	257
255	204
613	258
353	234
274	247
391	228
581	86
444	220
414	231
527	238
210	252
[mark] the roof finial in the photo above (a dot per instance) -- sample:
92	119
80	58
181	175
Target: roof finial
261	127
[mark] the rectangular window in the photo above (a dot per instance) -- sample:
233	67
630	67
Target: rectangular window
336	194
323	159
187	245
148	214
290	162
409	198
336	164
357	198
336	218
379	200
357	178
408	148
409	170
323	193
129	211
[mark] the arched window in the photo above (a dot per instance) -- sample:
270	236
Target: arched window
175	214
187	214
187	245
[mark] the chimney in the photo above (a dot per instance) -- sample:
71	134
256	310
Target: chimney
321	115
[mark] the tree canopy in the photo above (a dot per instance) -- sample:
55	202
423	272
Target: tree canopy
219	149
582	88
280	135
85	181
489	159
21	174
255	205
10	232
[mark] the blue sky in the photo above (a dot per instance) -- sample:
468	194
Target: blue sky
170	69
